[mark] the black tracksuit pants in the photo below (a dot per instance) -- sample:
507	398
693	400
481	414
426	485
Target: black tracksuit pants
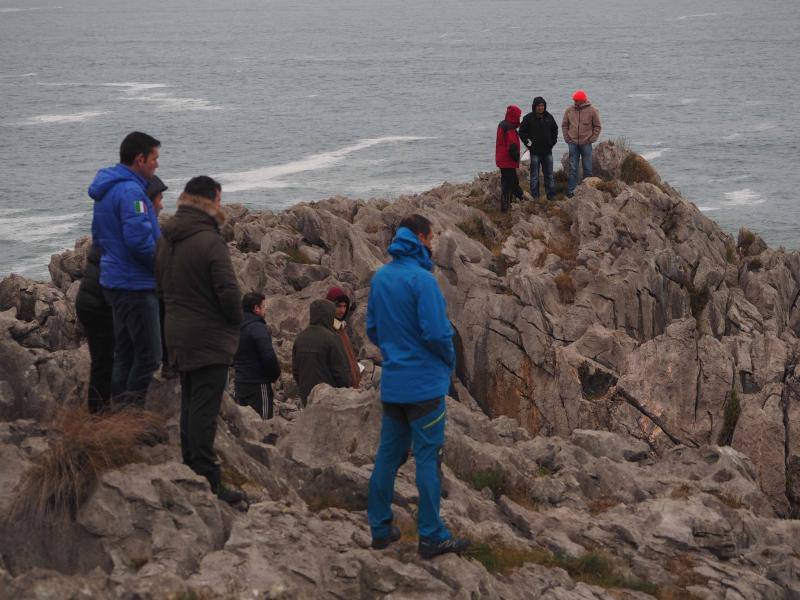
257	396
98	325
509	187
201	396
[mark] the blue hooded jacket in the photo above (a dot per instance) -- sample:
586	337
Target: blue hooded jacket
125	226
407	319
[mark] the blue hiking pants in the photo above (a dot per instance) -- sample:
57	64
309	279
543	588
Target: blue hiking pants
420	427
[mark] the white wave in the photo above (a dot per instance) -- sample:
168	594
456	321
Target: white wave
644	96
744	197
708	208
731	137
653	154
14	9
765	126
21	76
69	118
136	91
688	101
697	16
41	228
265	177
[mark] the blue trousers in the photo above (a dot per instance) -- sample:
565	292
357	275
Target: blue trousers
546	163
405	426
582	153
137	343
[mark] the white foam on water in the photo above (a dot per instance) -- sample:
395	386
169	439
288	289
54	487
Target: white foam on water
38	228
688	101
707	208
644	96
653	154
137	91
764	126
697	16
21	76
731	137
60	119
265	177
744	197
14	9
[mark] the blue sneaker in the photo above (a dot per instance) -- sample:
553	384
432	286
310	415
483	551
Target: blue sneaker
381	543
428	550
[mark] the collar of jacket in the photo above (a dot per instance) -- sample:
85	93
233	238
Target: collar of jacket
204	205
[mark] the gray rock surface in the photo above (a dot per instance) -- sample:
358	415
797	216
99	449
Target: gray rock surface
626	384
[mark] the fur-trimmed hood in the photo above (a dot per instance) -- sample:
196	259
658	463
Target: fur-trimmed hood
194	214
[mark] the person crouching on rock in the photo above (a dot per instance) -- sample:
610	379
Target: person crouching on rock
506	157
203	311
539	133
317	354
407	320
255	362
343	307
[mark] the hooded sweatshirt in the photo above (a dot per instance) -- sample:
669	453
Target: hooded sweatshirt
539	132
581	124
506	152
318	355
125	226
336	295
196	278
407	320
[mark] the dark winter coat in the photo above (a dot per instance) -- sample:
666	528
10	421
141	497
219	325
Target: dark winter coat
90	294
539	132
506	152
255	360
318	355
201	296
335	295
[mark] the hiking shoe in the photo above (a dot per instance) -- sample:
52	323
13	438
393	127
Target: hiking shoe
229	495
381	543
428	550
570	194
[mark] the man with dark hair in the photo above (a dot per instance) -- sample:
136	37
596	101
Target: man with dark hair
125	228
539	133
203	313
317	354
407	319
255	361
507	155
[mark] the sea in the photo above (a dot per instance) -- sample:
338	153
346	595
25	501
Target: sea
299	100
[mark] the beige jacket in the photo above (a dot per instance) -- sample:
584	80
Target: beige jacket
581	125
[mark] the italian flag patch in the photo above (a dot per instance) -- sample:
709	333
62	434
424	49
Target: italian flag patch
140	208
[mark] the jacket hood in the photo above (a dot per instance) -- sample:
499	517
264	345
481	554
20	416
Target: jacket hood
407	245
538	100
513	114
322	312
583	105
111	176
336	294
194	214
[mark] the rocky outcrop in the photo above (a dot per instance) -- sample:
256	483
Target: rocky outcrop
626	384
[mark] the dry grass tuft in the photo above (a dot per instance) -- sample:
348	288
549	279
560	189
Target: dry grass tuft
635	169
566	288
85	446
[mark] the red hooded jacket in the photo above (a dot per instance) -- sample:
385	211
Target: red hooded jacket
506	154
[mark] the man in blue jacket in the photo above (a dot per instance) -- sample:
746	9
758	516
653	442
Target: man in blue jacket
125	226
407	319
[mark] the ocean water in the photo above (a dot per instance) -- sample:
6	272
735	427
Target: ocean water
290	100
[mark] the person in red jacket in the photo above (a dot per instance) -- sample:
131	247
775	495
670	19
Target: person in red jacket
506	156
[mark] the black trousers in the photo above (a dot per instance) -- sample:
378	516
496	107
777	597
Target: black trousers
509	187
257	396
98	324
201	396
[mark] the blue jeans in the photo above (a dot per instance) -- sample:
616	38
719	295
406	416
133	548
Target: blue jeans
546	163
583	153
137	343
403	426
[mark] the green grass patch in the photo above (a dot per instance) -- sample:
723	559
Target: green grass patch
593	568
730	418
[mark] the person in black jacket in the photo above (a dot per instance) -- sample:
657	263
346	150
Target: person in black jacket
94	314
255	362
539	133
318	355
